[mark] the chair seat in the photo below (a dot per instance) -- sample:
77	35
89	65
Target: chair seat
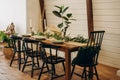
54	58
49	55
83	62
33	54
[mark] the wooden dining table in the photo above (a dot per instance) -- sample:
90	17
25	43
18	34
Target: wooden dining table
67	48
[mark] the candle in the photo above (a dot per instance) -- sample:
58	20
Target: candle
45	23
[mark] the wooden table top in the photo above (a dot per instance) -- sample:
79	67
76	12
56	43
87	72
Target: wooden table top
72	46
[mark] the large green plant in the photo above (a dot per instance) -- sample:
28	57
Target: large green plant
66	18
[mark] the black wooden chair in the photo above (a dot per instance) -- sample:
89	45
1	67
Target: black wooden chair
48	57
32	52
18	49
87	57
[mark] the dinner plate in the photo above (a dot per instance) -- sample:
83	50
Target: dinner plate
58	42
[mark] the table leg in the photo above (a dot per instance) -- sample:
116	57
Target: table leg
19	54
68	65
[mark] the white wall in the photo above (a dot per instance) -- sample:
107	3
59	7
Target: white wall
107	17
13	11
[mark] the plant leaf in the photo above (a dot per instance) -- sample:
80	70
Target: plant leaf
64	17
56	13
65	9
58	7
67	22
69	15
60	25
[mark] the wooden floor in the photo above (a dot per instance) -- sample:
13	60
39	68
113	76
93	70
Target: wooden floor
12	73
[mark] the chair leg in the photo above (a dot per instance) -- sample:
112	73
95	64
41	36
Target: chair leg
24	65
91	73
19	60
12	58
52	73
33	64
96	73
41	71
63	66
47	67
38	62
72	71
84	75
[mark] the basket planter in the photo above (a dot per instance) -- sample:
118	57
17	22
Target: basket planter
8	52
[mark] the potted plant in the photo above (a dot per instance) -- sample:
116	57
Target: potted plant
66	18
7	49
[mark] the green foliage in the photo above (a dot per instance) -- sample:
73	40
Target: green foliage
56	36
48	35
67	38
40	33
3	37
66	18
80	39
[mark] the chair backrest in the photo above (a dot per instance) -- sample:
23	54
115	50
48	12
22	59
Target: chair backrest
16	43
49	50
95	39
31	46
89	55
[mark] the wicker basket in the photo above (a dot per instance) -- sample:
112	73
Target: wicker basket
8	52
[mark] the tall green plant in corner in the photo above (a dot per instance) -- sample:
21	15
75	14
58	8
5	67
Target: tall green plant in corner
66	18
